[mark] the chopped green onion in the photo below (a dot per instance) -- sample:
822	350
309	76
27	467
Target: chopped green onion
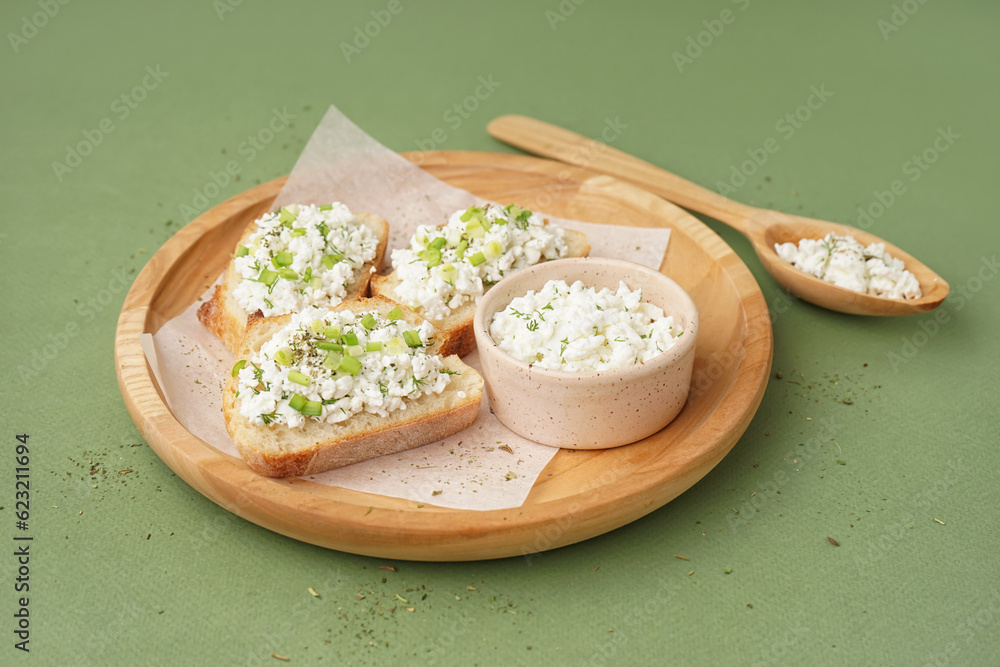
297	402
268	277
373	346
329	345
238	366
299	231
331	332
477	259
330	260
316	283
437	243
316	326
242	251
332	360
355	351
462	247
326	207
395	346
430	255
350	365
282	258
286	218
448	273
307	274
312	409
469	212
493	249
323	229
368	321
288	274
486	224
299	378
474	228
395	314
284	356
412	338
350	338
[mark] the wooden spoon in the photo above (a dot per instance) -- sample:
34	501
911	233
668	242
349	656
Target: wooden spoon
763	227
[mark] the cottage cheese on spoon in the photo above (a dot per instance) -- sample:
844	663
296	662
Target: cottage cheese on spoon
843	261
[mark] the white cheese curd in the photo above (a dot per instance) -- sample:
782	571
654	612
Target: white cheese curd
444	267
844	262
577	328
330	365
300	256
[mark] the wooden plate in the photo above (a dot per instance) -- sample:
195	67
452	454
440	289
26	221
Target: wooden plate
580	494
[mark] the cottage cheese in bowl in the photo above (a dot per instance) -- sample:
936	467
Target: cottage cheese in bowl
579	328
586	353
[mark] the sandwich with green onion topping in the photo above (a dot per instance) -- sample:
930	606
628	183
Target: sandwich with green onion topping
299	256
325	388
445	270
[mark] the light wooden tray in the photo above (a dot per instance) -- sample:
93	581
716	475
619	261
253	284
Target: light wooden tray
580	494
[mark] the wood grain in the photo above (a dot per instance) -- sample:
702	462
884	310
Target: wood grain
580	494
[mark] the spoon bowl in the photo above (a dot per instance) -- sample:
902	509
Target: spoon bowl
762	227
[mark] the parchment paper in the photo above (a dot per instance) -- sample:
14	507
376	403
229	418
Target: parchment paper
485	466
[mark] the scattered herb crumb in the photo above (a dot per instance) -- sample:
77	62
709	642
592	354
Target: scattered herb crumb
833	542
941	522
681	557
313	592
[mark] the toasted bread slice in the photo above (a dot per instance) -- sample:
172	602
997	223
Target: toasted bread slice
454	331
276	450
225	318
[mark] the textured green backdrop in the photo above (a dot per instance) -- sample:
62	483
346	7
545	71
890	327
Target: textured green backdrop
118	120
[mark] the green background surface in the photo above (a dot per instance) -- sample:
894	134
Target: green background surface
131	568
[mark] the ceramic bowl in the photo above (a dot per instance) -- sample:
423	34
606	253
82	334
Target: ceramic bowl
588	410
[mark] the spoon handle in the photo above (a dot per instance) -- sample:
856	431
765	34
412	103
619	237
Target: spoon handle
541	138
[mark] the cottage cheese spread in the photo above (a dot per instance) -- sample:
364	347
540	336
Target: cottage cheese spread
299	256
843	261
444	267
330	365
576	328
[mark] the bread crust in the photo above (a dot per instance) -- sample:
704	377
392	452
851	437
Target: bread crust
222	313
454	331
279	451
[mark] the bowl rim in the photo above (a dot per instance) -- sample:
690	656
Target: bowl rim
663	360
